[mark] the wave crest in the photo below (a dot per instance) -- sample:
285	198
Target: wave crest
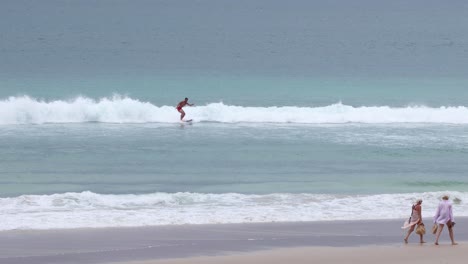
118	109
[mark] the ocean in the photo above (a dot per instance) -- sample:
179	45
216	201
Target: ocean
358	129
81	161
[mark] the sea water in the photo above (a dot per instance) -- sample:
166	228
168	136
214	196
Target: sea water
124	161
304	118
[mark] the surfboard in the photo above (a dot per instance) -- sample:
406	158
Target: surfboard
187	121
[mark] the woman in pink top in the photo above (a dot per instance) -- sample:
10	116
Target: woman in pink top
444	215
415	219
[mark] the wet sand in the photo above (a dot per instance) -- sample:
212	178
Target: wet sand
265	242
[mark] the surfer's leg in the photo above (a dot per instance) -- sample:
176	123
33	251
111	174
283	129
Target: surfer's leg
182	114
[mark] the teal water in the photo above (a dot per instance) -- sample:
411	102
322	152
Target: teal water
239	158
246	90
251	158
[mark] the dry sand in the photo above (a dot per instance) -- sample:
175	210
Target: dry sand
411	254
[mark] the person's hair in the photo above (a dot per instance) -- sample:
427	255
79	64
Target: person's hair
186	98
445	197
419	201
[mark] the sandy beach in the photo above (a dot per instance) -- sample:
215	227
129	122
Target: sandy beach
324	242
412	254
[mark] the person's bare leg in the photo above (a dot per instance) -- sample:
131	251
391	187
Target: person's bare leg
408	234
421	240
439	230
182	114
451	236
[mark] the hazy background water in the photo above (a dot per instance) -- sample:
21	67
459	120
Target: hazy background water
254	53
335	38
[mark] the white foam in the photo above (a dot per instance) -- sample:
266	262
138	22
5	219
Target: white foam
26	110
87	209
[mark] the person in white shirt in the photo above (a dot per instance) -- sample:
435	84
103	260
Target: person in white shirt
444	216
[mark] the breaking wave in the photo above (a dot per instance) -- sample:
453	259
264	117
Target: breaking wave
117	109
88	209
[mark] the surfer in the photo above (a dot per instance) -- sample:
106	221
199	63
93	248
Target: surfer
181	105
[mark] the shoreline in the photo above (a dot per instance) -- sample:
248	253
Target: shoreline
186	242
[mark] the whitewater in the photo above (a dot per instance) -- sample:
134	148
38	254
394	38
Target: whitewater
121	109
87	209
